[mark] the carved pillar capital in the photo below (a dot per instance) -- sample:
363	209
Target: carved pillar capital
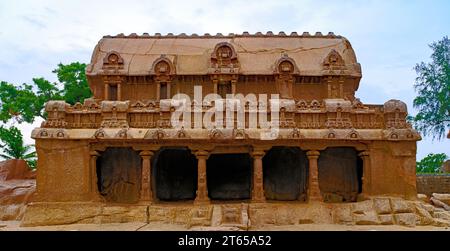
146	153
201	154
364	154
313	154
94	153
257	154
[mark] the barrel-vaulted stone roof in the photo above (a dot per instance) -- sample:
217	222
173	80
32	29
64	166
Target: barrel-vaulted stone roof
257	54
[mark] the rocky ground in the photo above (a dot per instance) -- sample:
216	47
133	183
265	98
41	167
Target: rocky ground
17	186
15	226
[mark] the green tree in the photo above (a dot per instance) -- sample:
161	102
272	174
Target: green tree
73	77
13	146
433	87
24	103
431	163
17	103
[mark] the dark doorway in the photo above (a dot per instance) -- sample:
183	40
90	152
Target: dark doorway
224	88
113	92
229	176
163	91
340	174
119	175
285	173
175	174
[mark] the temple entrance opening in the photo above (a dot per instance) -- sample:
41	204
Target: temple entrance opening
285	171
340	174
175	174
229	176
119	174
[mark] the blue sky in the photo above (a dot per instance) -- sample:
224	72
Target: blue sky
389	37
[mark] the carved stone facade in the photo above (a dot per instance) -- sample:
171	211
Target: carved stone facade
120	146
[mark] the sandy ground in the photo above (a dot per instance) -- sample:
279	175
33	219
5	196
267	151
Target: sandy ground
15	226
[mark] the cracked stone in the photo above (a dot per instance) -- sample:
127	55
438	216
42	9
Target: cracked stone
386	219
424	217
366	218
382	205
342	215
442	197
400	206
406	219
442	215
362	207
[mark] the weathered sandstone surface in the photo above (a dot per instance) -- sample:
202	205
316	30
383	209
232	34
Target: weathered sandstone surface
244	216
17	186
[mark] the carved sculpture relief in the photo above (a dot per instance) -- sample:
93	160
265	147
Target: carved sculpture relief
113	61
333	61
285	69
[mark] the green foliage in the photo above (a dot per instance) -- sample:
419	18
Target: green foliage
431	163
13	146
17	103
24	103
433	87
73	77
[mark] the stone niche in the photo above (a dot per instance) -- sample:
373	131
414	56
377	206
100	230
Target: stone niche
175	174
340	174
285	174
119	175
229	176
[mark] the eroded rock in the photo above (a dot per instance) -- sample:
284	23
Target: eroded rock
424	217
17	186
386	219
442	215
15	169
440	204
405	219
442	197
364	213
382	205
422	197
400	206
343	215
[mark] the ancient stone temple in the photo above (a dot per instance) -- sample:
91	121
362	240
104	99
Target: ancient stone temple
119	157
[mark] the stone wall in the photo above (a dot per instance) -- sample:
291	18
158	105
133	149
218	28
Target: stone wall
428	183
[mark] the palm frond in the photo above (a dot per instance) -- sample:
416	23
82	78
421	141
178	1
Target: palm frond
6	156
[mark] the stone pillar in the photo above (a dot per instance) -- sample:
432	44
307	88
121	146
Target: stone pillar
119	91
93	180
258	185
313	179
168	94
233	86
146	184
158	90
366	179
215	83
202	187
106	91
